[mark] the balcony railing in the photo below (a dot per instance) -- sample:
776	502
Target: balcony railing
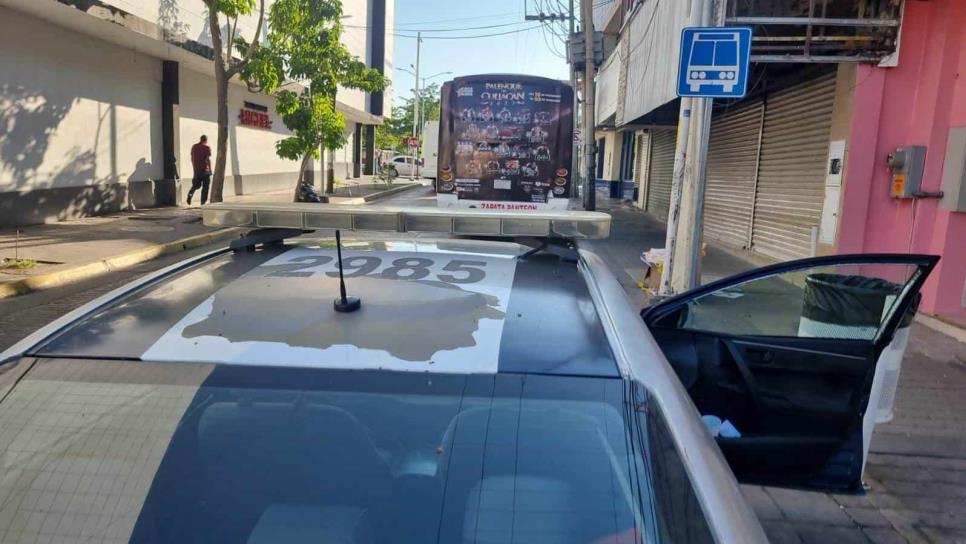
815	31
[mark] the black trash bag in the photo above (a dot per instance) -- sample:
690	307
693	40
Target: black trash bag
853	301
307	193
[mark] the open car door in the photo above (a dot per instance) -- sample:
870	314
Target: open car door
798	359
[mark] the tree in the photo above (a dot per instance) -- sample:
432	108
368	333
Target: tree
227	67
303	63
390	134
399	125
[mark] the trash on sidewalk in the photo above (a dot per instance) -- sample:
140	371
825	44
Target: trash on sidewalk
654	259
724	429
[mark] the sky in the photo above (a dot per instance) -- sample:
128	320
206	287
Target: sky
525	52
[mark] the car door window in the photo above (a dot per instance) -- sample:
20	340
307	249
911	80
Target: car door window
839	301
790	363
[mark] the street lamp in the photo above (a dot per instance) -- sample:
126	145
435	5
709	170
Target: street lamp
416	104
423	80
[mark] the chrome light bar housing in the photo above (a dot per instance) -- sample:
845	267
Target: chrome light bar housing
469	222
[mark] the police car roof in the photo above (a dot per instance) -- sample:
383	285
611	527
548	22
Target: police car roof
452	306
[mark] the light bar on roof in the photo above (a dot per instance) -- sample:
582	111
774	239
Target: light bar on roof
312	216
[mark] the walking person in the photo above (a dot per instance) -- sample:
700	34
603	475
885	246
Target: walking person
201	163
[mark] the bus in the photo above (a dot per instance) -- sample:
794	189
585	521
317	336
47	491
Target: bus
505	143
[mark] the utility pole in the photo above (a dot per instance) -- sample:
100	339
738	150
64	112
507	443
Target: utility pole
570	17
575	120
587	22
415	150
676	263
711	15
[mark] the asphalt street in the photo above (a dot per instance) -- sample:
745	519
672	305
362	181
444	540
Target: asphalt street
20	316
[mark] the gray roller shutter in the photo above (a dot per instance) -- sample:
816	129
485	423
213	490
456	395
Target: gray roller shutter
732	164
661	170
791	170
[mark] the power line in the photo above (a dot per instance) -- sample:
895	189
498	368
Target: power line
469	37
443	29
473	18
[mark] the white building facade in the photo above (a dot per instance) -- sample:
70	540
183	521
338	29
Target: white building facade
101	101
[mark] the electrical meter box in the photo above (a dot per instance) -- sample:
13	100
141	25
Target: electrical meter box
907	164
954	173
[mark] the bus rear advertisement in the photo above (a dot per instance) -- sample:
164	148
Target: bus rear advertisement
505	143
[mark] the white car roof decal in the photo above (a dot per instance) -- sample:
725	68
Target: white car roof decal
447	317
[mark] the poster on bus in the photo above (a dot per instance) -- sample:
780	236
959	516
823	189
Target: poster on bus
505	142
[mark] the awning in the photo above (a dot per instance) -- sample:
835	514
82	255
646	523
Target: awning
355	115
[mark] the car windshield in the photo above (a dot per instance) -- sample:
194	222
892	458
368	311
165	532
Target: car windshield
183	452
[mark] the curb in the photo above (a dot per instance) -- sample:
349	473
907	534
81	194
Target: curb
390	192
62	277
938	325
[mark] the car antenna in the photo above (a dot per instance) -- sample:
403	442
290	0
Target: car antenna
343	304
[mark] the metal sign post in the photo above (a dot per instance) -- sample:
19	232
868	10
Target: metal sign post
714	63
590	184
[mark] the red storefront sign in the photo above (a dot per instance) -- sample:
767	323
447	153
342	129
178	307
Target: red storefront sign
253	118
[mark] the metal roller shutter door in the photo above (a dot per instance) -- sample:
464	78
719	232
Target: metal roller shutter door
732	164
791	170
661	171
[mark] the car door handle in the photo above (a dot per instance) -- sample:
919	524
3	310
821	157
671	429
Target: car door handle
759	356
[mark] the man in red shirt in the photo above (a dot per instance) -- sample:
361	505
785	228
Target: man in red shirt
201	162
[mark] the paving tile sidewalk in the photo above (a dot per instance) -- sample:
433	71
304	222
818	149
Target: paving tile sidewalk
916	473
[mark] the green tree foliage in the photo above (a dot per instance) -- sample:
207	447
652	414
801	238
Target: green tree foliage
303	63
391	133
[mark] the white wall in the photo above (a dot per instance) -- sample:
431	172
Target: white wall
184	18
390	69
606	88
603	11
342	157
652	65
356	15
611	155
74	110
250	150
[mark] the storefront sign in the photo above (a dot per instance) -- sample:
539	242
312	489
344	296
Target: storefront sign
254	115
505	143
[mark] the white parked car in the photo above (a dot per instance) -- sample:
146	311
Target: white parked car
498	390
404	166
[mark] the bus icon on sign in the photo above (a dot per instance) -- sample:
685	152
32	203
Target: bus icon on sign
714	62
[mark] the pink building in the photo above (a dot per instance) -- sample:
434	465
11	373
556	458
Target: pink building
915	103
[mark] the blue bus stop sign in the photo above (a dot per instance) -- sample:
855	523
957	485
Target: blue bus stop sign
714	62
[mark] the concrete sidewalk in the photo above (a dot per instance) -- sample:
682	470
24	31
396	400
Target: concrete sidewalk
69	251
916	472
347	192
93	242
633	232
